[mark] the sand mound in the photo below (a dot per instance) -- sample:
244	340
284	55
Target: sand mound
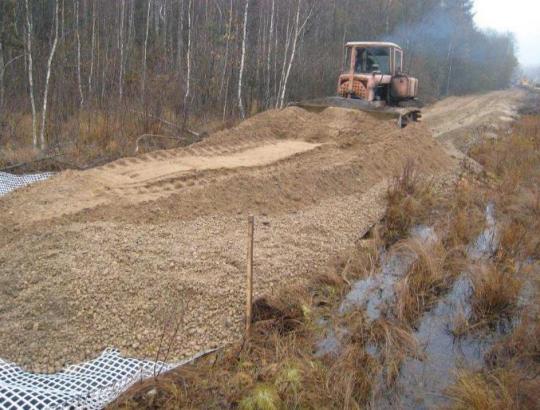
269	142
108	256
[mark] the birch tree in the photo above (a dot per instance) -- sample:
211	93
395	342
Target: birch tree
143	87
121	46
242	62
188	61
269	53
225	85
92	48
298	30
30	70
78	35
47	79
2	71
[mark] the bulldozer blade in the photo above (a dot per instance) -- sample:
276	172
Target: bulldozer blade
403	116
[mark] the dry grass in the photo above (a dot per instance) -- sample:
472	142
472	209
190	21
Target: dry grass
481	391
360	261
409	198
466	214
510	378
349	381
425	280
94	136
395	343
495	293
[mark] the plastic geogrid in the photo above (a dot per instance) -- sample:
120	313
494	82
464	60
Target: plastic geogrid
89	385
10	182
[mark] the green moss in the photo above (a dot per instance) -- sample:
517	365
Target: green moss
289	381
263	397
306	311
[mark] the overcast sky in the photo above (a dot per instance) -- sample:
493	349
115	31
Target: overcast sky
521	17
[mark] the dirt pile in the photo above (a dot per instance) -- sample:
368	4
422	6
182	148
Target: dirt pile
119	255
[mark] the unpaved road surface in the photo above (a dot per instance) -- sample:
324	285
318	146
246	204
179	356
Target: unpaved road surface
114	255
461	120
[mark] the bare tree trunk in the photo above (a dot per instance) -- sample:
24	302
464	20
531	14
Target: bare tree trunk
30	68
387	17
47	79
276	41
188	63
298	32
121	44
143	87
63	20
227	43
78	35
268	59
90	75
179	38
2	70
288	34
242	63
450	58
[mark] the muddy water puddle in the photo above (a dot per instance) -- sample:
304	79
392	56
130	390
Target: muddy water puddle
422	383
423	380
374	293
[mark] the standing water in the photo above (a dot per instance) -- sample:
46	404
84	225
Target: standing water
375	292
422	383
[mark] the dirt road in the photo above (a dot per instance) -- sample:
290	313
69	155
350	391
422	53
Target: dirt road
107	257
461	120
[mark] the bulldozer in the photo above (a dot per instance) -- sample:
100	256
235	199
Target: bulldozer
373	80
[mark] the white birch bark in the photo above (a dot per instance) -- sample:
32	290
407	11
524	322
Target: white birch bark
288	36
188	62
42	141
143	87
30	69
78	35
2	70
180	39
299	29
227	44
121	45
268	59
243	62
92	51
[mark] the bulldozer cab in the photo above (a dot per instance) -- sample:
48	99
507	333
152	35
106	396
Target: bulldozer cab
373	57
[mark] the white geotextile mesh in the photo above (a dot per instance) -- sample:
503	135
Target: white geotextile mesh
10	182
89	385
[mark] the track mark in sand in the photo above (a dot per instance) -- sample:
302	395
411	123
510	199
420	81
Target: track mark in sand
156	175
155	170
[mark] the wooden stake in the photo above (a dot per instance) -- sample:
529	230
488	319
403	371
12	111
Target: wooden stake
249	287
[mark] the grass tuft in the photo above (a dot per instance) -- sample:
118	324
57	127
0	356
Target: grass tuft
408	198
495	293
263	397
425	280
481	391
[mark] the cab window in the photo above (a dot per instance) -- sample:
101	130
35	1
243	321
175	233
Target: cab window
373	59
347	59
398	55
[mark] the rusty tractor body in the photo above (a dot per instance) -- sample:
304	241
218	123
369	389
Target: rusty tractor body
373	80
374	73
